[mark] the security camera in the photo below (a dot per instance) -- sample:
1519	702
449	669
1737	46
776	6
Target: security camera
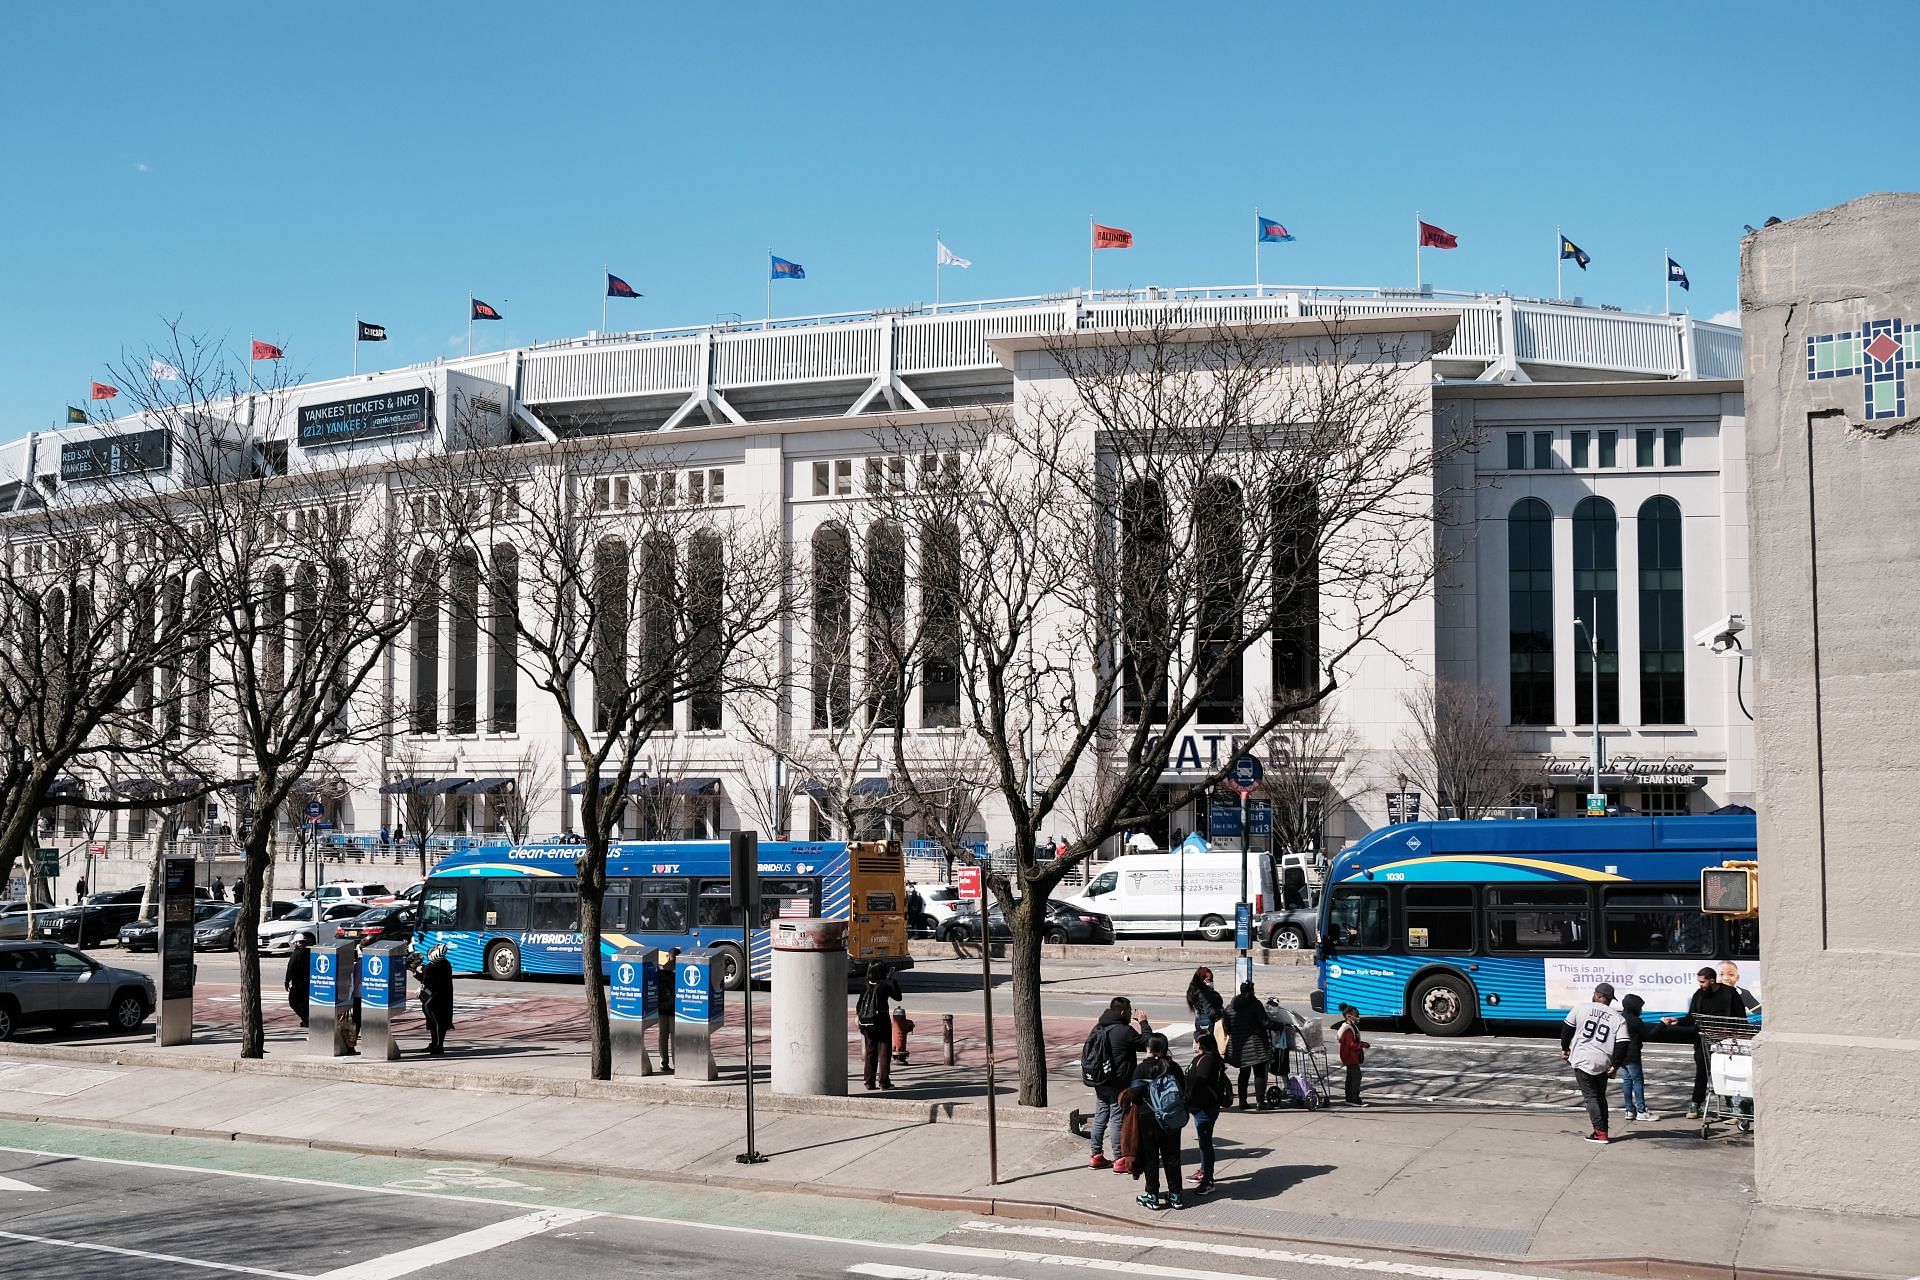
1719	634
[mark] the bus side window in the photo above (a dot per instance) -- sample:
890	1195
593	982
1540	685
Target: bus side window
775	894
556	906
440	907
660	907
1743	939
1660	921
613	905
1105	882
716	904
1358	918
506	905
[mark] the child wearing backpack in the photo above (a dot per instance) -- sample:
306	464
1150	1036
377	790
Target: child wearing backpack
1159	1094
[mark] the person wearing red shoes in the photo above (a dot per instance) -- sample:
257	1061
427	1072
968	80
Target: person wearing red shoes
1593	1040
1208	1092
1107	1065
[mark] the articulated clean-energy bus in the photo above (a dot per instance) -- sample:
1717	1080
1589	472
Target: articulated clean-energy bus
507	910
1454	923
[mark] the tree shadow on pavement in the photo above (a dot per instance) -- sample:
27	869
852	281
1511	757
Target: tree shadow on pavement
1264	1184
854	1137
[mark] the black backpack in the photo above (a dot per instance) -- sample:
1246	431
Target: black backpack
871	1011
1098	1066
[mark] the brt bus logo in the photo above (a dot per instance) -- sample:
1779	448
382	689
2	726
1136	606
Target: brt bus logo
1881	352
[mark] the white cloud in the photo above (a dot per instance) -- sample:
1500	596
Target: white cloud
141	166
1727	317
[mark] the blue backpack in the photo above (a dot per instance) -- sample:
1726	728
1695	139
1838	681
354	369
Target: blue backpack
1167	1102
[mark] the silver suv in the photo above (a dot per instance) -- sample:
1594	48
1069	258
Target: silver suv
50	984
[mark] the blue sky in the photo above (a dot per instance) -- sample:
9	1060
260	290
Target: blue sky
275	171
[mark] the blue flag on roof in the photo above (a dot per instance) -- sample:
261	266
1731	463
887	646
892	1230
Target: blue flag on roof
784	270
1270	231
1677	274
1568	249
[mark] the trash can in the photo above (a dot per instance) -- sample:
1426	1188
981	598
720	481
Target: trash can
810	1007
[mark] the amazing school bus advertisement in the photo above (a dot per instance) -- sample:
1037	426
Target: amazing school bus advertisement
1666	985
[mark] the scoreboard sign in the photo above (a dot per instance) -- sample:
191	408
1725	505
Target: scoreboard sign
381	417
105	456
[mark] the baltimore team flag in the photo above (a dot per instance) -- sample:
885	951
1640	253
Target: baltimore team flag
784	270
1271	232
618	288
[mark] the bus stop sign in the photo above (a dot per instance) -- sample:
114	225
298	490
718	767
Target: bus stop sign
1246	775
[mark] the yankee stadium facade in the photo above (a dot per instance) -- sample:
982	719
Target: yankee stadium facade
1606	466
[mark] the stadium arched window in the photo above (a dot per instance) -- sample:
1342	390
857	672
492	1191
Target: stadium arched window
1596	602
1220	571
886	621
1663	667
832	627
1146	624
1296	593
940	578
706	597
1530	612
612	617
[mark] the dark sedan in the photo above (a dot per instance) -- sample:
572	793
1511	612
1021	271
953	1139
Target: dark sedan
215	933
95	920
381	924
1064	924
144	935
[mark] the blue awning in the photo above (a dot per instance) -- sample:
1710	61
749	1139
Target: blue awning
484	786
697	787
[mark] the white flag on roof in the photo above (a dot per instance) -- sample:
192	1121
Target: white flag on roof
164	372
946	257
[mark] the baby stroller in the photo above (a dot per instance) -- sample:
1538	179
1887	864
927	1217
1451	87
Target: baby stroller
1300	1059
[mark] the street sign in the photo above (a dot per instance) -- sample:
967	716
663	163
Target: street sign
1223	821
1243	925
1260	818
1403	806
314	810
98	849
1246	775
1596	805
48	861
969	883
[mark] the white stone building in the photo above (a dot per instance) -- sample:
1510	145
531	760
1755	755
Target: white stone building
1606	482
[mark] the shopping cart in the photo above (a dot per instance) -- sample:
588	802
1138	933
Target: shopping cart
1729	1044
1300	1042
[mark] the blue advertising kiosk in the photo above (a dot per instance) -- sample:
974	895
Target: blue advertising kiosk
383	997
632	1008
699	1007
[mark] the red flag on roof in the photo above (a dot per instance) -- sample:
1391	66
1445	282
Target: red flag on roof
101	391
267	351
1111	238
1432	237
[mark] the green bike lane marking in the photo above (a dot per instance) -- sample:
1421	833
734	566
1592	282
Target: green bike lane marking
480	1182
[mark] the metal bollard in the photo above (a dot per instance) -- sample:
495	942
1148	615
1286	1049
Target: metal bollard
946	1036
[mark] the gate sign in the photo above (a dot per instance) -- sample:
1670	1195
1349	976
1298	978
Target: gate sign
322	984
630	997
1246	775
969	883
695	998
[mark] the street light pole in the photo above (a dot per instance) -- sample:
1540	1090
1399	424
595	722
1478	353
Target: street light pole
1593	649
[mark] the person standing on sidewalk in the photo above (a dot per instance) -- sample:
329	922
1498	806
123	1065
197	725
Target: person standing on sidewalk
1353	1052
1713	999
436	996
299	977
665	983
1107	1063
1208	1008
1594	1042
1159	1094
1208	1091
876	1029
1251	1046
1633	1079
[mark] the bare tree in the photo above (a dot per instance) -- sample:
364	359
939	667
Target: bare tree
1311	769
619	598
308	576
527	794
1458	748
1099	562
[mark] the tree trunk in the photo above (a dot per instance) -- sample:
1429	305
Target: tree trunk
593	887
255	877
264	907
1030	1036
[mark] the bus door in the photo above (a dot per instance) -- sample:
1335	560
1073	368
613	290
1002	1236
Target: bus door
713	913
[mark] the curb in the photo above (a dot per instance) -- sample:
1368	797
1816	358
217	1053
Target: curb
719	1097
1635	1268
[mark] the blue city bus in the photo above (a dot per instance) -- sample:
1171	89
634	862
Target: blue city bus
1455	924
505	910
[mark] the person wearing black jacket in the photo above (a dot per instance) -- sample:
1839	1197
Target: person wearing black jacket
1208	1090
1633	1080
1159	1144
436	995
1250	1047
876	1030
1126	1036
299	977
1713	999
1208	1008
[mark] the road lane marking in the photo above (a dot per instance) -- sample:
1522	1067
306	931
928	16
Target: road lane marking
174	1258
464	1245
1239	1251
1134	1268
10	1184
885	1271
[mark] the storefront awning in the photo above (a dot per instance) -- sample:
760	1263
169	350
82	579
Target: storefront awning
485	786
440	786
66	785
697	787
402	786
864	789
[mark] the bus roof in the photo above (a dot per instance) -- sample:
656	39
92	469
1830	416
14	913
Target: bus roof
1575	842
640	857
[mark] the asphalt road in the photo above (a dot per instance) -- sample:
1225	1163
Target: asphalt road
77	1204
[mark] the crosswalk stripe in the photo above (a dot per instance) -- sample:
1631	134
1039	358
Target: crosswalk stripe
466	1244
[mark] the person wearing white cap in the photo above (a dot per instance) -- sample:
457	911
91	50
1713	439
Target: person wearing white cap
1594	1042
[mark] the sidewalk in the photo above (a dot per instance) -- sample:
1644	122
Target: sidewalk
1485	1184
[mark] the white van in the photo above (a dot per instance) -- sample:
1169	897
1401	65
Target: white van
1142	892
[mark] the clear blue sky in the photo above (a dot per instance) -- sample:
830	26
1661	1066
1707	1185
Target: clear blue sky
276	170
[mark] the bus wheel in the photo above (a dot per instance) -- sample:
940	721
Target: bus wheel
1214	929
733	973
1443	1005
503	962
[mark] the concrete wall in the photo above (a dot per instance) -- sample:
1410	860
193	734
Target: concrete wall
1836	580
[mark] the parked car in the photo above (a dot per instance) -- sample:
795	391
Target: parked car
939	901
380	924
144	935
1065	923
47	984
13	918
276	938
350	891
215	933
1296	929
91	922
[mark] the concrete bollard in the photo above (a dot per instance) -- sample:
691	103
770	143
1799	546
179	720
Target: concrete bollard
810	1007
946	1036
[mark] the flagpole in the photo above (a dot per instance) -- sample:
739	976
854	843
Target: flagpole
469	322
1416	250
1666	269
1256	251
936	269
356	344
603	299
1559	263
249	362
1089	257
769	319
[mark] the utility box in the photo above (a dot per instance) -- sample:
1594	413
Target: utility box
333	970
699	1009
810	1007
632	1008
383	997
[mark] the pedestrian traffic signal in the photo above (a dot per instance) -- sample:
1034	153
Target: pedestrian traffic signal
1731	889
